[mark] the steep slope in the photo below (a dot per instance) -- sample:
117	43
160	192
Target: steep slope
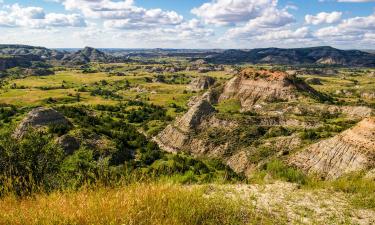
201	83
175	136
315	55
256	87
352	150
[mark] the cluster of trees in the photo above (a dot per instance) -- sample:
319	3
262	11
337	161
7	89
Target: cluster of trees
36	163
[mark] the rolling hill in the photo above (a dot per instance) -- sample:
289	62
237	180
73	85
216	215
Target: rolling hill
324	55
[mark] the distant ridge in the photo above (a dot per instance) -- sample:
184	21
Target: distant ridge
21	50
324	55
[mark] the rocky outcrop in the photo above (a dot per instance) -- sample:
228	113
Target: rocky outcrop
68	143
253	87
240	163
174	137
284	144
356	111
39	117
201	83
353	150
210	96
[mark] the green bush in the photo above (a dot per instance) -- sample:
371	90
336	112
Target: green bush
281	171
29	164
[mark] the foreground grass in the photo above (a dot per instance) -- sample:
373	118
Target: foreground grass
134	204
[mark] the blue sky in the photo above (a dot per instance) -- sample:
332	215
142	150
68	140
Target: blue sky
344	24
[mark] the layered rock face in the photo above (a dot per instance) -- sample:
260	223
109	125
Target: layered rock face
252	87
201	83
353	150
175	136
41	117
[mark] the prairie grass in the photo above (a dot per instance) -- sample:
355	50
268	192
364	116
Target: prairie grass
157	203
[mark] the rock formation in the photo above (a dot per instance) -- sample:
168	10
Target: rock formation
175	136
353	150
201	83
40	117
252	87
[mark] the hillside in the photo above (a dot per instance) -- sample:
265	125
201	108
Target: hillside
297	56
351	151
10	61
85	56
43	53
106	140
269	122
256	87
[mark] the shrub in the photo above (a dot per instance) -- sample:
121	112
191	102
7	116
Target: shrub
281	171
59	129
30	163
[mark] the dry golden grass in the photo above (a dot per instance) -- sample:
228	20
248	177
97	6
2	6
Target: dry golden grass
134	204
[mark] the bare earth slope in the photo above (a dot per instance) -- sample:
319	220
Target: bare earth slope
352	150
255	87
175	136
41	117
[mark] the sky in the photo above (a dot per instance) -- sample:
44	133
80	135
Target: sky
345	24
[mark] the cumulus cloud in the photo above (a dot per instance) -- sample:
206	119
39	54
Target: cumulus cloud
300	33
351	26
356	29
323	17
35	17
232	12
123	14
271	19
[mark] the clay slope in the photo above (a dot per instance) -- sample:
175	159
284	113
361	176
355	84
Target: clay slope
175	136
39	117
353	150
201	83
255	87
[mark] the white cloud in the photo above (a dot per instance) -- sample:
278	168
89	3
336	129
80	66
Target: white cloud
351	26
356	30
231	12
272	19
323	17
123	14
300	33
35	17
